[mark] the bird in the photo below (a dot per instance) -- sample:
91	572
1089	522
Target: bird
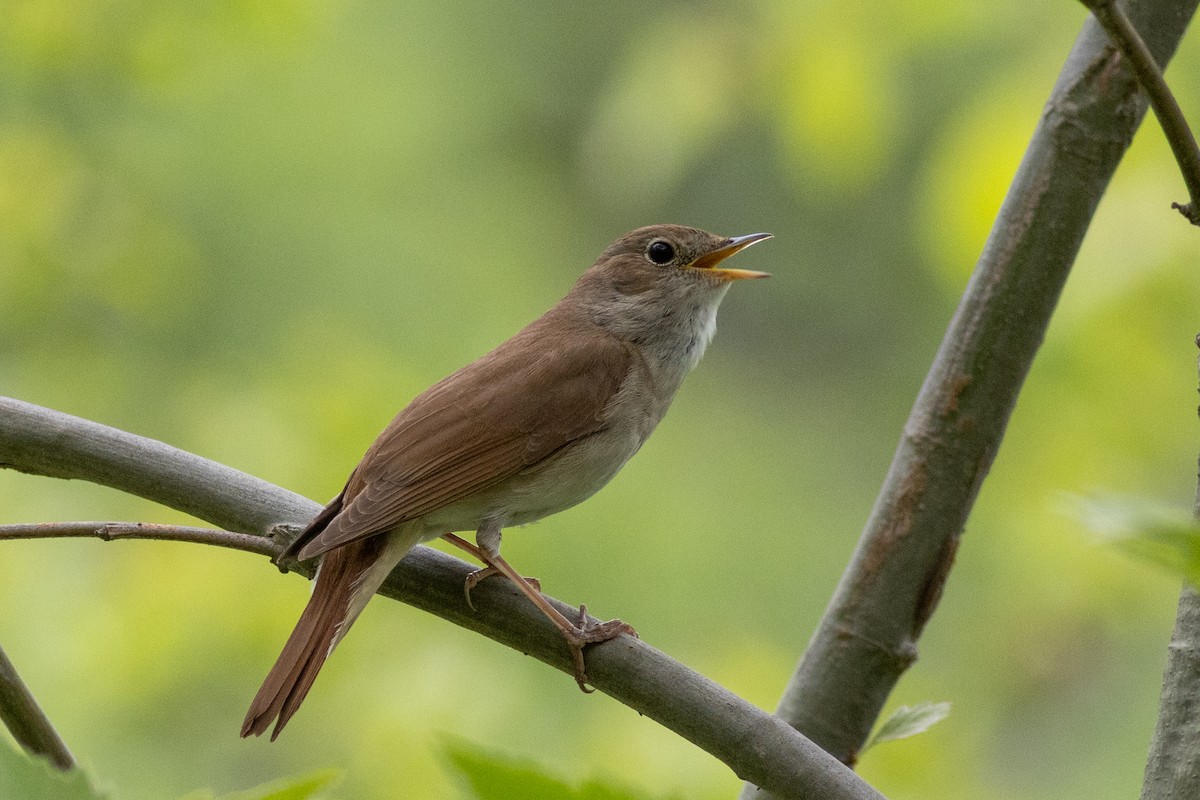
533	427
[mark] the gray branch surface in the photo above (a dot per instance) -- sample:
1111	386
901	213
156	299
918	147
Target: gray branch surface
757	746
869	633
26	721
1173	766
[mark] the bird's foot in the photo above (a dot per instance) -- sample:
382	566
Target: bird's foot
478	575
589	631
283	534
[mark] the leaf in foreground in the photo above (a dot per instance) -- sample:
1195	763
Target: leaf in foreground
908	721
33	779
489	775
305	787
1163	535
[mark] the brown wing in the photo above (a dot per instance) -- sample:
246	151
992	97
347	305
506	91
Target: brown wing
509	410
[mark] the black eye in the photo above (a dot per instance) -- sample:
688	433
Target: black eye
660	252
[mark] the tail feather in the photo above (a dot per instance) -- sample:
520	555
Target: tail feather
335	603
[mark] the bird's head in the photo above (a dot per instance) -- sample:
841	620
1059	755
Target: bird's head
661	278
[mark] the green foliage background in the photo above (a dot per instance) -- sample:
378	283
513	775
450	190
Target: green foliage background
254	230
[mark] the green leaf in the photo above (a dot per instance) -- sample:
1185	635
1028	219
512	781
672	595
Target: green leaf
908	721
305	787
489	775
1166	536
33	779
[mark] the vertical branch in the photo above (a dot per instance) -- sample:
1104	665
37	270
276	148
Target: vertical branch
869	633
26	721
1172	769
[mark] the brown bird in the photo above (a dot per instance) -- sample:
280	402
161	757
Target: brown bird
530	429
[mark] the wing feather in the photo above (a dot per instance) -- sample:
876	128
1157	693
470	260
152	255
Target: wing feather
499	415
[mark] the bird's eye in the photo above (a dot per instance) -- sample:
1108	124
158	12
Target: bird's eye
660	252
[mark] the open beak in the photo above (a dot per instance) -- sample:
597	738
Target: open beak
730	246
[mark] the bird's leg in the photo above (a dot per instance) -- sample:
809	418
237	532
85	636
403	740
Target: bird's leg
475	577
478	575
577	635
458	541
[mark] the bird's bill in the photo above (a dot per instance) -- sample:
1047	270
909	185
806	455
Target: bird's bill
730	246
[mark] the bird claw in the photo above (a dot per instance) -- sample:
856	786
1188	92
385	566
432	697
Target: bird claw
588	631
474	578
578	635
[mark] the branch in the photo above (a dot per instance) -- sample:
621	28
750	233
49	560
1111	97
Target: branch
757	746
869	633
1171	768
1174	125
44	442
110	531
26	721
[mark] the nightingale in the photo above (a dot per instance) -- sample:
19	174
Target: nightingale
534	427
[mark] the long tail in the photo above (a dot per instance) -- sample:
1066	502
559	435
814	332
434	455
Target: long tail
346	580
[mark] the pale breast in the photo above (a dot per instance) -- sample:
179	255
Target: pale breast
571	475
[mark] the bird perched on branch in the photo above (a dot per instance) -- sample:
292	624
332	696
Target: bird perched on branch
530	429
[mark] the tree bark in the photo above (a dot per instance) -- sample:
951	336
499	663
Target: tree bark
868	635
1173	766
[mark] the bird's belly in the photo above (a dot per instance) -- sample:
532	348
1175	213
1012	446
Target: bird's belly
564	480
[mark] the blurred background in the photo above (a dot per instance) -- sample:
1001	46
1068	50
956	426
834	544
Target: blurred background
255	230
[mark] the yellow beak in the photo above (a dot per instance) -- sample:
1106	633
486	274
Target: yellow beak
730	246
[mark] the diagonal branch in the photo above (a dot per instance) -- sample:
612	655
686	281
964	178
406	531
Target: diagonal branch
757	746
1174	125
869	633
26	721
44	442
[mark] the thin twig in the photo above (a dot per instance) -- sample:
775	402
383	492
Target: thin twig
1174	125
110	531
26	721
756	745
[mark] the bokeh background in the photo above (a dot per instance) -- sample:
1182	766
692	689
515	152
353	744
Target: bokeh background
255	230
